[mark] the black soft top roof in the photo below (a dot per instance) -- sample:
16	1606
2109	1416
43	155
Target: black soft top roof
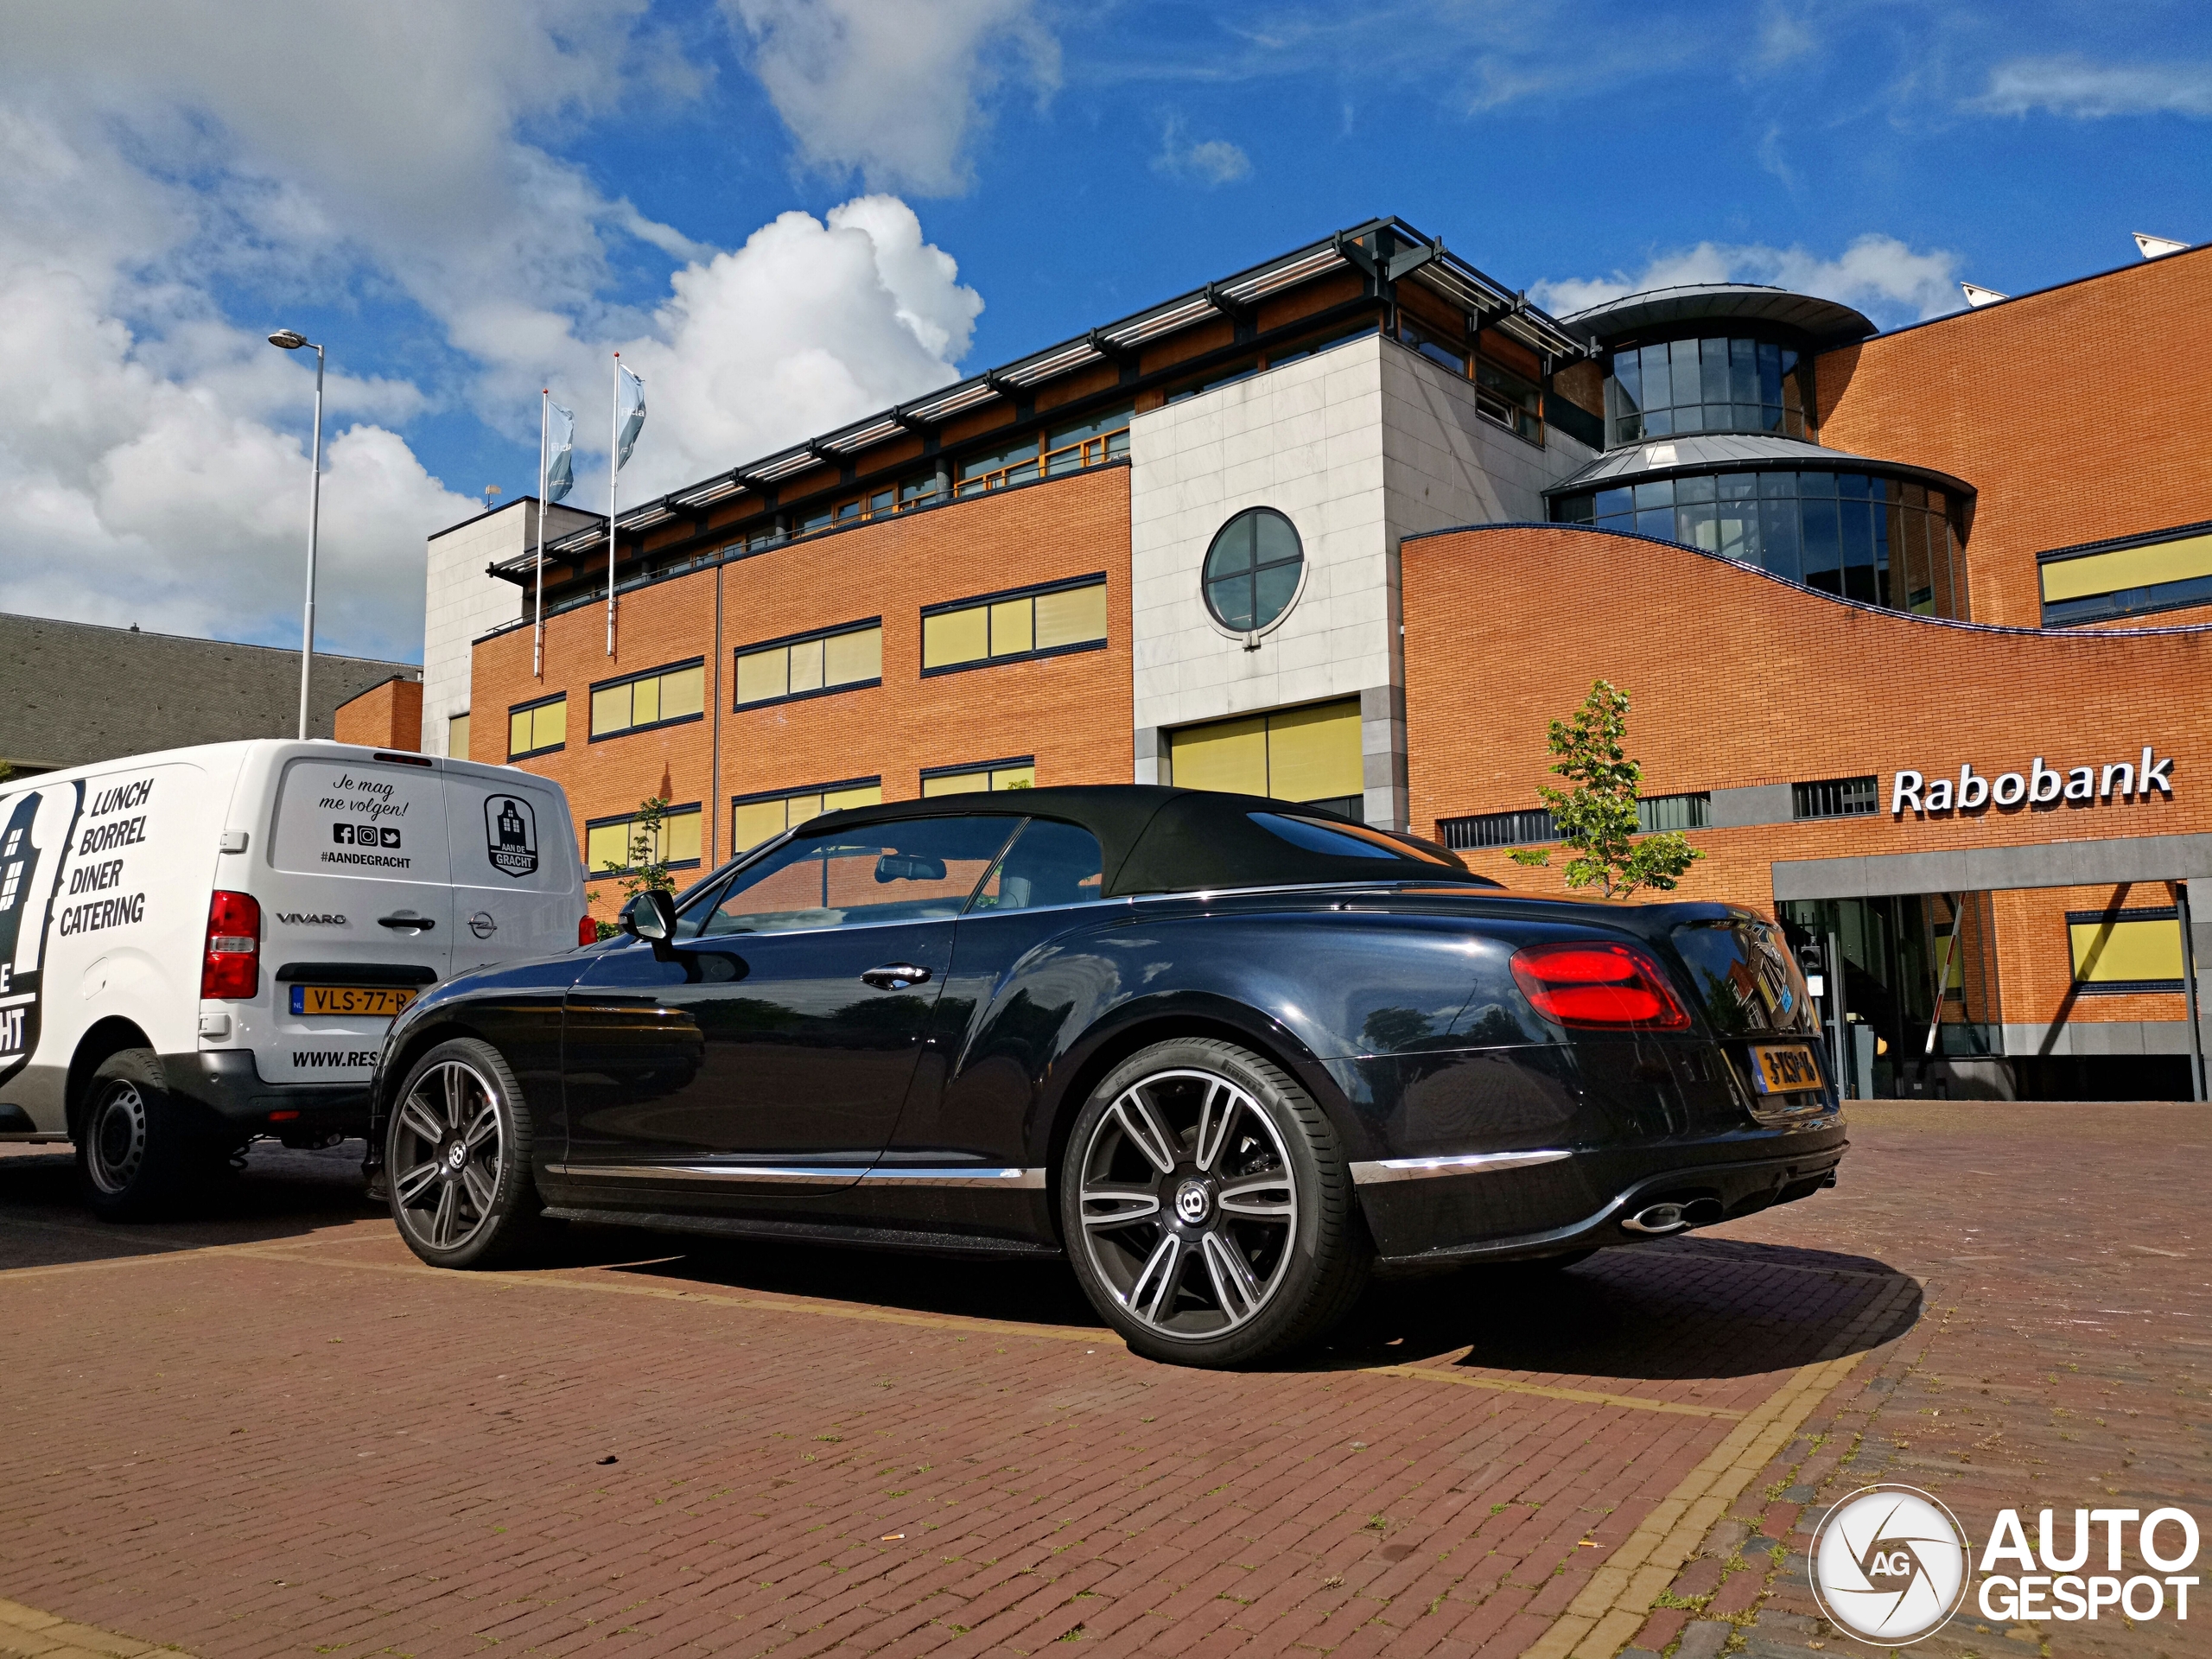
1156	839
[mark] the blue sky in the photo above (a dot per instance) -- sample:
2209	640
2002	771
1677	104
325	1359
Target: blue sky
790	212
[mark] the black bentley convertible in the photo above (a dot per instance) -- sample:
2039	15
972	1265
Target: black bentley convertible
1227	1055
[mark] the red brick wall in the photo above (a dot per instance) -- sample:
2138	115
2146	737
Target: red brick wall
387	716
1073	713
1739	679
2078	413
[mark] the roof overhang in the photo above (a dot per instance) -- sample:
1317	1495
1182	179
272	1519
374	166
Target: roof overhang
1736	452
1664	308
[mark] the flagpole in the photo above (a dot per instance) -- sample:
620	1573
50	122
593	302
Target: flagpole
537	639
614	477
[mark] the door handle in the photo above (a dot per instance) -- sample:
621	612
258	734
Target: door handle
419	924
895	976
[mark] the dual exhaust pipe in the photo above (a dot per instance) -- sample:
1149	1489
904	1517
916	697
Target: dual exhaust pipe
1673	1215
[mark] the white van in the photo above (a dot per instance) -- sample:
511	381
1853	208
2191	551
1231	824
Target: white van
207	945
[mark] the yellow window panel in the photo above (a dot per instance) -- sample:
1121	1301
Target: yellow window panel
550	724
518	733
645	702
607	847
1014	778
763	675
2113	952
1072	618
610	710
958	782
864	795
1230	756
754	822
1012	627
1313	754
806	667
2128	567
457	737
957	637
680	836
851	657
684	692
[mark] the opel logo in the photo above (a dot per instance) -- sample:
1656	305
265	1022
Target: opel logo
1192	1203
482	925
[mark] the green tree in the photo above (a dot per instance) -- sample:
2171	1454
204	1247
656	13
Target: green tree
1597	818
647	870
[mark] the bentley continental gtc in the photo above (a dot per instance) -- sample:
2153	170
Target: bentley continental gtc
1228	1056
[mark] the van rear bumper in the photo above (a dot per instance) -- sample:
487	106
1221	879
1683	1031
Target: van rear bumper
226	1082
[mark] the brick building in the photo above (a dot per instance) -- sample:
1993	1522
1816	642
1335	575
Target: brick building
1352	526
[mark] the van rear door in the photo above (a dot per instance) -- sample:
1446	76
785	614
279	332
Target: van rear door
356	894
515	877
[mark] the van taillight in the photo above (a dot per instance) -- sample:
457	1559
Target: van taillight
586	933
231	967
1598	984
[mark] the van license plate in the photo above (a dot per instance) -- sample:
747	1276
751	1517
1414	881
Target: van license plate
1785	1071
358	1002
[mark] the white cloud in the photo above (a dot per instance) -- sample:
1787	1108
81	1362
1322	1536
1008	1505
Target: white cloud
894	89
1879	275
1216	162
808	326
2073	85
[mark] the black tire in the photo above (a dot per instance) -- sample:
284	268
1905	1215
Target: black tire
137	1153
1256	1167
457	1154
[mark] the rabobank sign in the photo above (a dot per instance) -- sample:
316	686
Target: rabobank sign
1932	794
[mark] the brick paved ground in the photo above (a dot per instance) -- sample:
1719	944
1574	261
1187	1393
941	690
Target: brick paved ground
270	1432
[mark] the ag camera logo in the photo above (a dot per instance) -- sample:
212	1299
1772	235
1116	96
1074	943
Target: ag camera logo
1889	1565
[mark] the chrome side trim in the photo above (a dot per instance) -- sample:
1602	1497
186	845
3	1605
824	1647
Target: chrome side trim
774	1174
1002	1179
1011	1180
1465	1163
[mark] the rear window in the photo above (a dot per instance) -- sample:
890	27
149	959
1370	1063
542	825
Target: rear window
344	817
1747	980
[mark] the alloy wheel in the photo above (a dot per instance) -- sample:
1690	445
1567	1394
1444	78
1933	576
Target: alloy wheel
116	1148
446	1149
1188	1203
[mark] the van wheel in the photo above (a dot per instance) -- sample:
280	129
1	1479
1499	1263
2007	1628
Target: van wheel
1208	1207
458	1157
136	1148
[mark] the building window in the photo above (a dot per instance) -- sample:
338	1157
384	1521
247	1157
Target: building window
1444	354
1653	813
1046	621
611	844
756	818
1308	755
2132	578
1705	386
538	727
1512	401
665	696
1049	452
1227	374
457	737
2117	951
1882	541
1835	798
1018	773
810	665
1253	569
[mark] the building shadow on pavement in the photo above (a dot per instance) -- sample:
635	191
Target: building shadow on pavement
1682	1309
279	1194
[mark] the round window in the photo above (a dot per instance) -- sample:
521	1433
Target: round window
1252	569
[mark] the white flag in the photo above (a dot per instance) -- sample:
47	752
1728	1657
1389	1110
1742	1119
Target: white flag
631	399
559	461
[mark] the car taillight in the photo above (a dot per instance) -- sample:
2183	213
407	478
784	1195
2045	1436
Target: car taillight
231	967
1597	984
587	931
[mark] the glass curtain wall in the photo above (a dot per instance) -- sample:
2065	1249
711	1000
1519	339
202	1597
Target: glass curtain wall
1719	384
1881	541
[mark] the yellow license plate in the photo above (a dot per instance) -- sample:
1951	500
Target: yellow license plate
1785	1071
358	1002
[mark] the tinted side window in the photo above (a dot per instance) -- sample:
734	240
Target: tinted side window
903	871
1050	864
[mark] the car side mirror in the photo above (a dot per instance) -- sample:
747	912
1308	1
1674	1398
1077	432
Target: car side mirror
651	916
908	866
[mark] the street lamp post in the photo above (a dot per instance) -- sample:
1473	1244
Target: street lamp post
291	339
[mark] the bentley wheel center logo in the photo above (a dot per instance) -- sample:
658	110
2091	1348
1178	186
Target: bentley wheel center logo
1889	1565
